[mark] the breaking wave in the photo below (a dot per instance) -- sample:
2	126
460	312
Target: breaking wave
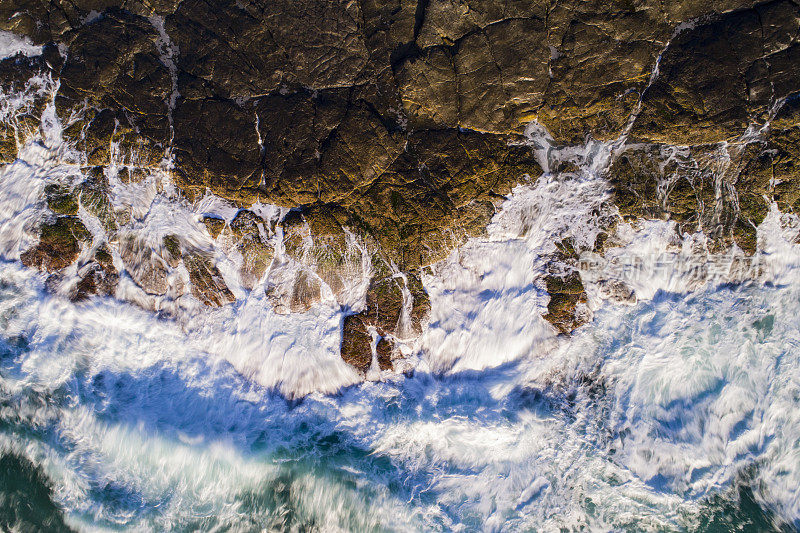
677	410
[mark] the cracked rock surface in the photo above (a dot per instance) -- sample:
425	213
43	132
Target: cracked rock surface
403	120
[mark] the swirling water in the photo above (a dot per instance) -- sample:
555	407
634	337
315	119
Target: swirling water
678	412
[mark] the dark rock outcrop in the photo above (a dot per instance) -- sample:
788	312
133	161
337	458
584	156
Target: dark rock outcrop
566	293
117	86
400	121
719	76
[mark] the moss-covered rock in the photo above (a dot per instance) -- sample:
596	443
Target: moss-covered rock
214	225
172	250
385	316
566	295
61	199
93	195
24	91
59	245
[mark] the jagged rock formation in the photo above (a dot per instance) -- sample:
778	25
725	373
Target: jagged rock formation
401	120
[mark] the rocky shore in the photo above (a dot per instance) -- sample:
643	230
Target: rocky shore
399	124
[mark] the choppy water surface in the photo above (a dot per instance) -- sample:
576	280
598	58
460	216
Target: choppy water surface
675	413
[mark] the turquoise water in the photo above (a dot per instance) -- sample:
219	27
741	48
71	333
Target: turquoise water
184	444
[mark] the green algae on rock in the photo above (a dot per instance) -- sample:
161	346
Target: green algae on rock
60	242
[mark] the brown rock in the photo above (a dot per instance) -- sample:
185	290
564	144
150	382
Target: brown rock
247	228
115	66
59	244
216	146
214	225
146	267
356	349
60	199
248	49
97	277
24	78
566	293
746	53
208	286
384	315
93	195
292	290
172	251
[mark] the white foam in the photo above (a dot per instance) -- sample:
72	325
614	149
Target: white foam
155	424
12	44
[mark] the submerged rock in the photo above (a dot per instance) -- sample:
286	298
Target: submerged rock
292	288
249	234
93	195
147	268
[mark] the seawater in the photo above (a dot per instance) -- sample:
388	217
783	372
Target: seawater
679	413
676	412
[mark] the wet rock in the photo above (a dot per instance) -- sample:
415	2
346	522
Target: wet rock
59	245
566	295
779	162
356	349
23	87
146	267
716	77
171	250
296	234
97	277
617	291
305	293
208	286
248	231
316	238
443	188
214	225
385	317
93	195
114	66
60	199
723	191
292	289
